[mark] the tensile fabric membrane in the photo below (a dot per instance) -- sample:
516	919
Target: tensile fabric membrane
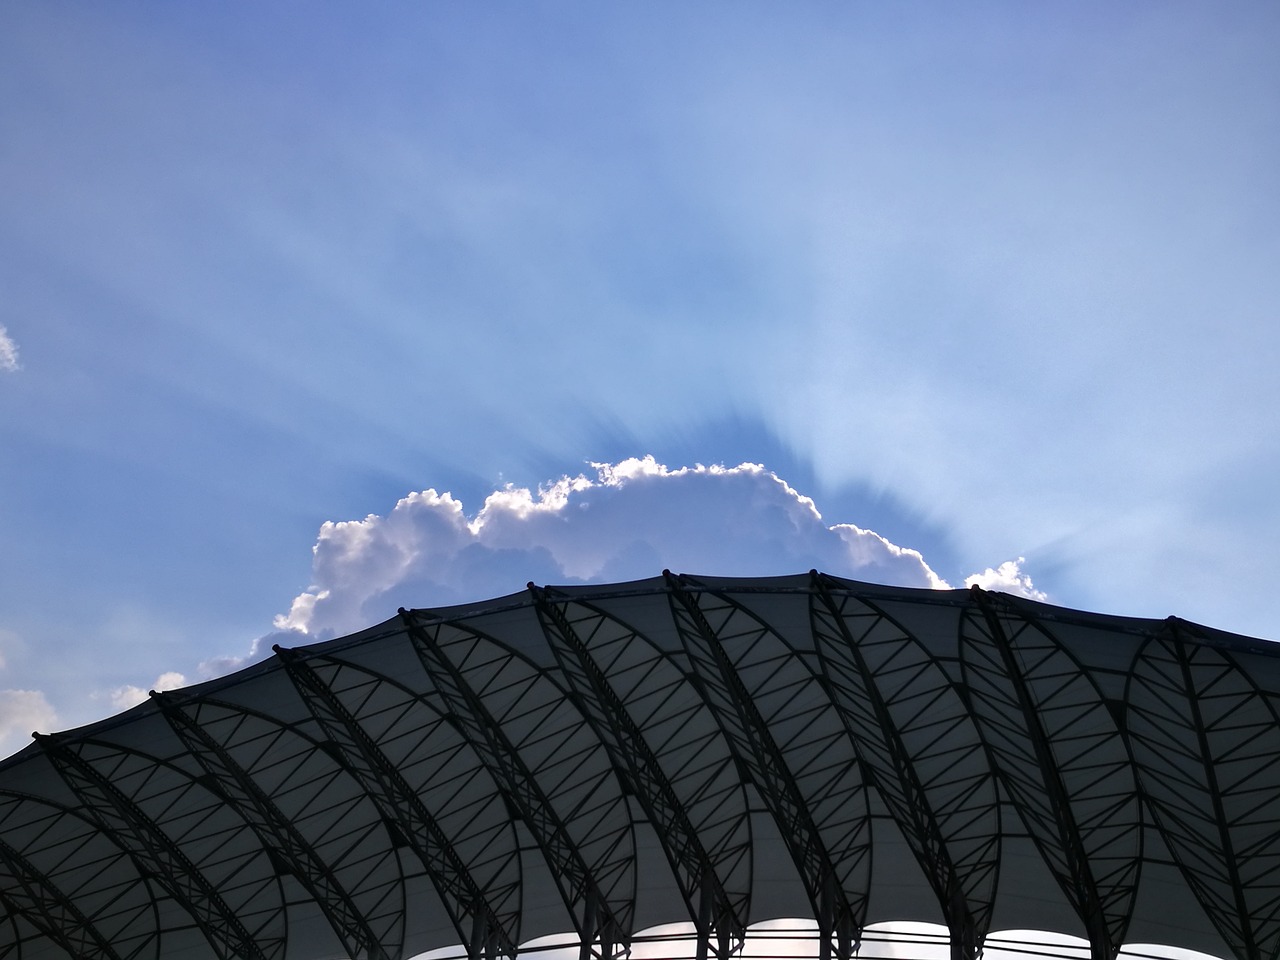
602	759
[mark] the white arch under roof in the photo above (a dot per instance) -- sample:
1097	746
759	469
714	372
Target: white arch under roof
603	759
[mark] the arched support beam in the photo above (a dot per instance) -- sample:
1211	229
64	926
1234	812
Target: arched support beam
1205	741
839	918
276	831
590	909
117	898
716	914
155	852
479	927
29	892
1089	832
916	738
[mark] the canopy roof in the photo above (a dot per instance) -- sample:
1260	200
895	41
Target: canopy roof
603	759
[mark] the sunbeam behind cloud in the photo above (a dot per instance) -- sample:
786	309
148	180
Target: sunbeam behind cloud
991	283
620	521
1008	578
629	521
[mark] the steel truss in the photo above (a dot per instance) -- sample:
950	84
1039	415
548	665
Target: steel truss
321	683
164	857
347	913
111	902
1062	759
820	804
578	634
1206	741
919	743
590	846
26	891
718	752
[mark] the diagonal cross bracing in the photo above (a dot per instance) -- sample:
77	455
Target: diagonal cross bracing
917	739
157	854
480	928
591	909
1205	740
89	867
718	914
276	831
1089	833
25	890
1093	733
839	916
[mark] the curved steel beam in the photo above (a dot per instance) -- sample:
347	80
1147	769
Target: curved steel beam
915	736
714	911
764	762
591	910
1089	835
478	926
77	866
1206	744
11	945
32	894
276	831
118	815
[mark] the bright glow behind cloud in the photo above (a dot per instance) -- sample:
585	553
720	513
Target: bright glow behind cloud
1007	578
630	521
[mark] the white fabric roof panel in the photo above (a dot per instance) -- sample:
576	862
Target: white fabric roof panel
600	759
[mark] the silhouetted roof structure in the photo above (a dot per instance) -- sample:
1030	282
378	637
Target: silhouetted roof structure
721	751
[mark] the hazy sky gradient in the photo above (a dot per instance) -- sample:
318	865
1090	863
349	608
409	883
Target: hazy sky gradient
993	281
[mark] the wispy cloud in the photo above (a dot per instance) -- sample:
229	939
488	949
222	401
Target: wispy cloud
122	698
22	711
8	352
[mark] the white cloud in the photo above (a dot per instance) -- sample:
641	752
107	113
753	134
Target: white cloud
8	352
1007	578
122	698
630	521
21	712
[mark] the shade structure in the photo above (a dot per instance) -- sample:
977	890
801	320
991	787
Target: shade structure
601	759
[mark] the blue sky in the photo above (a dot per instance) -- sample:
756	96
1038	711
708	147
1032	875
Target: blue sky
993	282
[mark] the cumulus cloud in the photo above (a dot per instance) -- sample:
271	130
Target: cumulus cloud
628	521
122	698
1007	578
21	712
8	352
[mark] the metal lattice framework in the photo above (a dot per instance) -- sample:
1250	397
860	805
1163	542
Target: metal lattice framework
599	760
